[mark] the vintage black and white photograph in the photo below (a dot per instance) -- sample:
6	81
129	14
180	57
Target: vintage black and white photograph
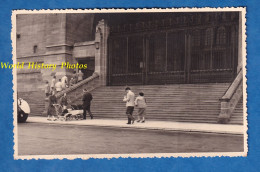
115	83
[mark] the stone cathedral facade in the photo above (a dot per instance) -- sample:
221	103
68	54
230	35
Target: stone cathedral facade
130	48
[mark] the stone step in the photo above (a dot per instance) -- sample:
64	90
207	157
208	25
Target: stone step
165	102
156	109
35	101
237	115
179	102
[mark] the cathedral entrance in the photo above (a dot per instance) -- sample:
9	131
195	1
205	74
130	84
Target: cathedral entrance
200	53
147	59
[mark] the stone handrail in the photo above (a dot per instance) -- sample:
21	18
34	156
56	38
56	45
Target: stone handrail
78	85
76	91
231	98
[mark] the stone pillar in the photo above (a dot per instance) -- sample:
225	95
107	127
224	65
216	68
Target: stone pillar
239	47
224	115
101	37
57	49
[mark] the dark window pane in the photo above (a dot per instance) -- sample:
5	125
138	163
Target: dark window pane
135	54
157	52
118	55
175	51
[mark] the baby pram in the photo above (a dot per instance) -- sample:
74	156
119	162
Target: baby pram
75	112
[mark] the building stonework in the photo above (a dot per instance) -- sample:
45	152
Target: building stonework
50	39
132	48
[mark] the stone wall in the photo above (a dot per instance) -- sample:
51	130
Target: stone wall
79	28
84	49
31	30
37	38
30	47
49	39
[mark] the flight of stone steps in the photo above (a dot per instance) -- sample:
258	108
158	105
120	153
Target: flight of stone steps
35	100
237	116
182	102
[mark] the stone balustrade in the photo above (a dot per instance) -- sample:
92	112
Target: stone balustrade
76	91
230	99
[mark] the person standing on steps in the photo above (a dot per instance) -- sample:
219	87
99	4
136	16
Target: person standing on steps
80	76
71	83
87	98
53	82
64	81
75	77
58	86
129	99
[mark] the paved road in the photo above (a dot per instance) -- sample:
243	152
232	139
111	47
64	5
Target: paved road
50	139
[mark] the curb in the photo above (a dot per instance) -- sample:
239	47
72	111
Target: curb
140	127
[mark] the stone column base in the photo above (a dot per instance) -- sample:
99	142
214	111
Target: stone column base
223	118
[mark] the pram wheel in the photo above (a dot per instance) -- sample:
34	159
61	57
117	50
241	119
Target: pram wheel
79	117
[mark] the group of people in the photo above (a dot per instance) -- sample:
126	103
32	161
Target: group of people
131	102
76	77
63	83
52	101
64	102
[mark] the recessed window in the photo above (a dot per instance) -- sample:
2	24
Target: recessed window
221	36
18	36
35	49
196	38
209	37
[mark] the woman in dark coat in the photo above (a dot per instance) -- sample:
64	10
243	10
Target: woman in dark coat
51	108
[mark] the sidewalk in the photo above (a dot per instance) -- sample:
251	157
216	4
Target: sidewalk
150	125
